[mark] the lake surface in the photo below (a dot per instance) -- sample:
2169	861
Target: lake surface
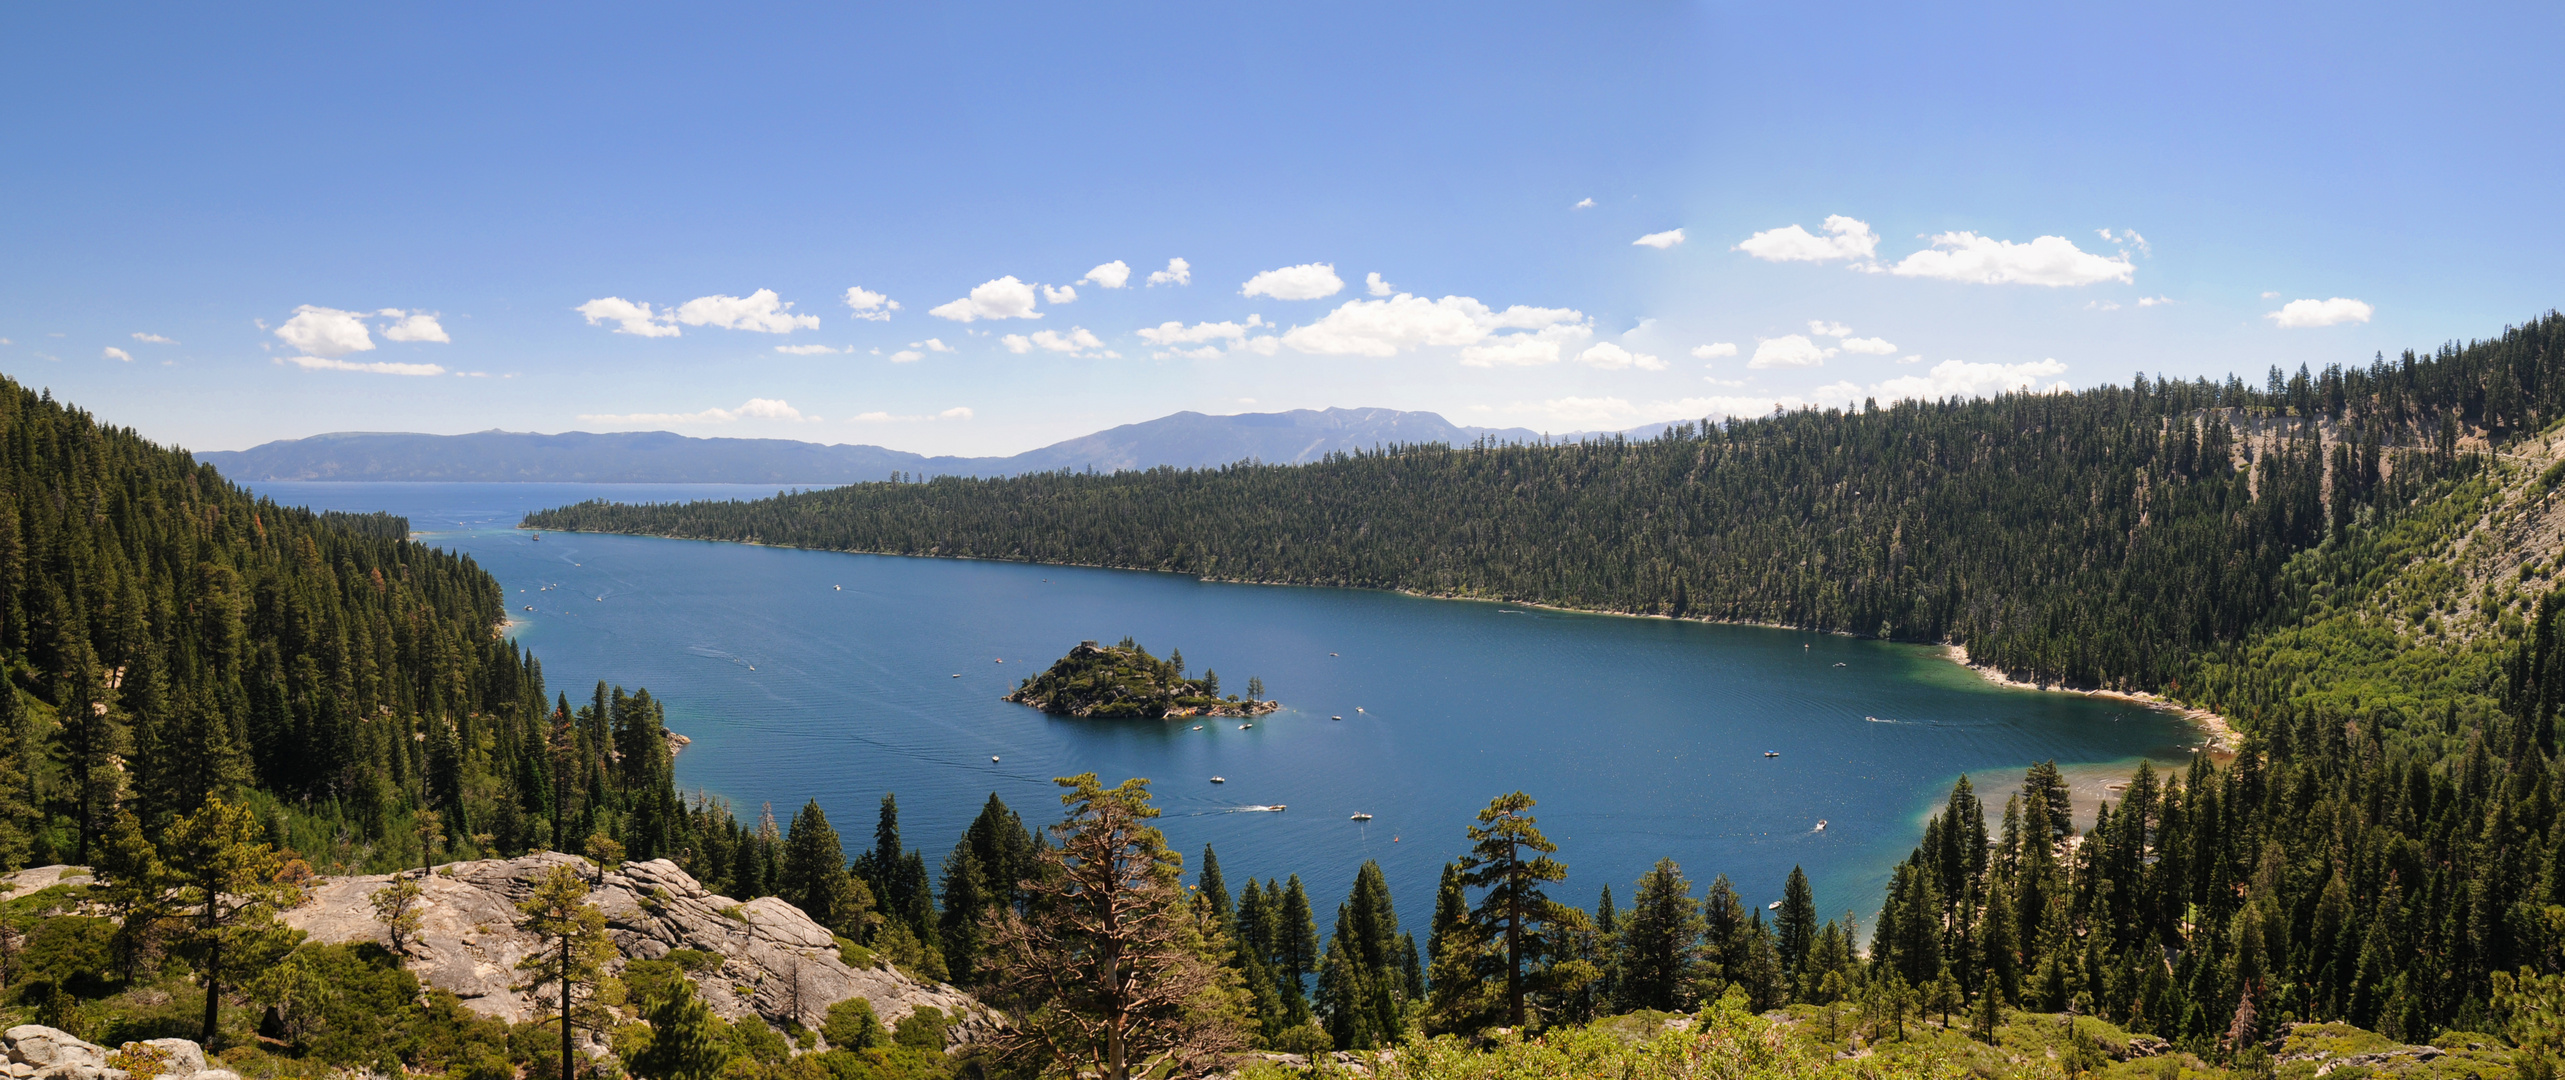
839	677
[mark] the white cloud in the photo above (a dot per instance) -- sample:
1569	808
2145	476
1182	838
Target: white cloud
1112	275
413	326
1845	238
153	339
2130	237
2049	260
1789	350
2154	301
1910	359
1583	204
931	345
322	331
1525	350
1178	272
1373	283
1869	345
1404	323
810	350
1061	294
323	363
1659	240
1823	328
1307	281
1611	357
761	311
1958	378
1074	342
1176	333
2271	296
2301	314
869	305
2101	305
907	356
1003	298
1714	350
628	317
752	409
114	353
958	412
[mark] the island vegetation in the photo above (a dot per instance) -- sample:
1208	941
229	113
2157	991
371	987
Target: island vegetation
1123	681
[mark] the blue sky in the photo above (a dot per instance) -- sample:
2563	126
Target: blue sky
224	226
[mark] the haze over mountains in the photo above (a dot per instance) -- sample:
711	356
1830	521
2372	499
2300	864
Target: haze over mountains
1182	440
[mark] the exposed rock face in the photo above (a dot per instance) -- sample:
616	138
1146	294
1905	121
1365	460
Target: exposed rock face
37	1052
777	963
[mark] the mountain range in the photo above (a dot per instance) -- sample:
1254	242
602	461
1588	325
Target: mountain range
1180	440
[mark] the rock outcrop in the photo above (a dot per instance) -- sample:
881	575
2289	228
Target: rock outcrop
37	1052
775	962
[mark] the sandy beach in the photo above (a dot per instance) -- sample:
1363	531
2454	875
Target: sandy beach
2221	735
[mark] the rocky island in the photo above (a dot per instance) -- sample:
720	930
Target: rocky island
1124	681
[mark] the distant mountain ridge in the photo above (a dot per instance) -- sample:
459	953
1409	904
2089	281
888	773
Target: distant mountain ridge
1180	440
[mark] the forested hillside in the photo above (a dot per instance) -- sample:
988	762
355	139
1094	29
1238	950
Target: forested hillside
2100	538
167	637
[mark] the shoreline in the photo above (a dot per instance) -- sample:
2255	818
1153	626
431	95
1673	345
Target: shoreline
2223	739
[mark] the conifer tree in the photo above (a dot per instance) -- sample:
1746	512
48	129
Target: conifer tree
234	885
686	1040
1795	924
814	878
1510	859
572	950
1660	941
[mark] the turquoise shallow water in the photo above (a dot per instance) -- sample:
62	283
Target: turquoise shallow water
811	674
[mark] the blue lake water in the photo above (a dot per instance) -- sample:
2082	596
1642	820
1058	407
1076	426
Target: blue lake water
818	675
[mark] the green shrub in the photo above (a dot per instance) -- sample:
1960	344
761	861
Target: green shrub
851	1025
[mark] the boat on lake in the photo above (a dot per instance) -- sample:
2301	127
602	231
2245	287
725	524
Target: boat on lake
1362	817
1772	753
1821	824
1335	718
1220	779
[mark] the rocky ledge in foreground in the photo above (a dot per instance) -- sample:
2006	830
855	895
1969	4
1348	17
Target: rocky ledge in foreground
37	1052
775	962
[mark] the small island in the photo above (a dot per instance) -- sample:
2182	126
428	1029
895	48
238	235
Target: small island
1124	682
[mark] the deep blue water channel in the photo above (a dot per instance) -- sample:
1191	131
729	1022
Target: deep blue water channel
819	675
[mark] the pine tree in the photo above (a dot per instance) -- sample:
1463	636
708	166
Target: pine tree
1214	889
234	884
1461	998
687	1042
572	952
1510	859
814	877
1796	922
1660	941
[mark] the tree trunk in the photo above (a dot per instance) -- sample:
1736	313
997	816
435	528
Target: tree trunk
568	1069
213	988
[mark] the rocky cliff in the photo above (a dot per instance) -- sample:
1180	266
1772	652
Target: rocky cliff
775	962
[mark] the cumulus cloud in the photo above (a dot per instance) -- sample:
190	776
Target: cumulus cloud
413	326
149	339
1714	350
326	332
752	409
1059	294
114	353
1788	351
2301	314
931	345
1076	342
1659	240
1003	298
1583	204
761	311
810	350
1611	357
1959	378
1112	275
1176	333
1307	281
1372	283
2154	301
323	363
1539	347
628	317
1178	272
1869	345
1845	238
869	305
1823	328
1404	323
2053	261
